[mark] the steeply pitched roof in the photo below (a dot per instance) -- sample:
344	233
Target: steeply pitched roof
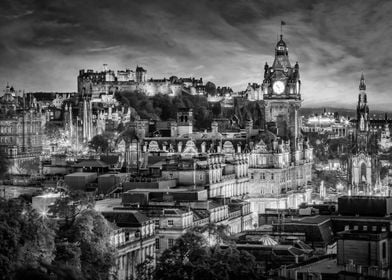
126	219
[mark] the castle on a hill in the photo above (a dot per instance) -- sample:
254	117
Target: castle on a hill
108	82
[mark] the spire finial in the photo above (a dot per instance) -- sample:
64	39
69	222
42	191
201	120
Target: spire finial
281	28
362	85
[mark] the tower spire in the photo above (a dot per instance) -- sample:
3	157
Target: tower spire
362	85
281	28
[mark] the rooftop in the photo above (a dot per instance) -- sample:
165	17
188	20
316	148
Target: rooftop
107	204
81	174
91	163
128	218
327	266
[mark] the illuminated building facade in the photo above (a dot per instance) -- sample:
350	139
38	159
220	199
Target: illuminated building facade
363	170
280	163
107	82
21	131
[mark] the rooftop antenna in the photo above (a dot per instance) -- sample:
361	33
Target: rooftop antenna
281	27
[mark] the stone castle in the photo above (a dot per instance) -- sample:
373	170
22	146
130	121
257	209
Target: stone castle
108	82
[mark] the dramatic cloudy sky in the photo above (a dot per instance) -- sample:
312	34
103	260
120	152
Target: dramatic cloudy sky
44	43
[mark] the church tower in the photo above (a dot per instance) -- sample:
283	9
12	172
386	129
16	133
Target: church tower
282	94
363	163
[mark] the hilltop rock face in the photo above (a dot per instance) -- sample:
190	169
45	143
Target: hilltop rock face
245	110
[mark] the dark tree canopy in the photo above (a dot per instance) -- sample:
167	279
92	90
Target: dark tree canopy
26	238
163	107
52	132
99	143
32	246
211	88
192	258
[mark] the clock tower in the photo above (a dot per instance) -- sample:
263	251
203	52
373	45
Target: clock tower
281	93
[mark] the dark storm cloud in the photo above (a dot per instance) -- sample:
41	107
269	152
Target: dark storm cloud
45	43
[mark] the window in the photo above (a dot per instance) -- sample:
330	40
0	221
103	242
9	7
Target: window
384	250
355	227
170	242
157	245
365	228
272	176
374	228
156	223
346	228
170	223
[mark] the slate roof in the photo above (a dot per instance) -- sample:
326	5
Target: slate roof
110	159
126	219
91	163
199	214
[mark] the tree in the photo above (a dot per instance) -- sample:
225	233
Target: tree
99	143
70	205
210	88
192	258
52	132
176	262
52	271
86	246
145	270
215	234
93	233
26	238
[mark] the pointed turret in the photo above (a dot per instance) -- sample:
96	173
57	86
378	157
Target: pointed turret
362	85
281	55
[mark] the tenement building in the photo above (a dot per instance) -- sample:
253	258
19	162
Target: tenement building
21	131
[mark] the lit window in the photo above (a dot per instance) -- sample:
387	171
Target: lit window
170	242
365	228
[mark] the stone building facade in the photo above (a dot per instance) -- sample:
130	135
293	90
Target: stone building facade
21	130
363	164
105	82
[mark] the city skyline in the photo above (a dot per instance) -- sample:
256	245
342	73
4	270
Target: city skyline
45	44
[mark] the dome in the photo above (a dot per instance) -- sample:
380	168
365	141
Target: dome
281	43
281	47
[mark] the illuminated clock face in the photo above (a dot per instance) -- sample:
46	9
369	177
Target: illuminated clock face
278	87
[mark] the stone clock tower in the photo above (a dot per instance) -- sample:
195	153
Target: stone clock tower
282	94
